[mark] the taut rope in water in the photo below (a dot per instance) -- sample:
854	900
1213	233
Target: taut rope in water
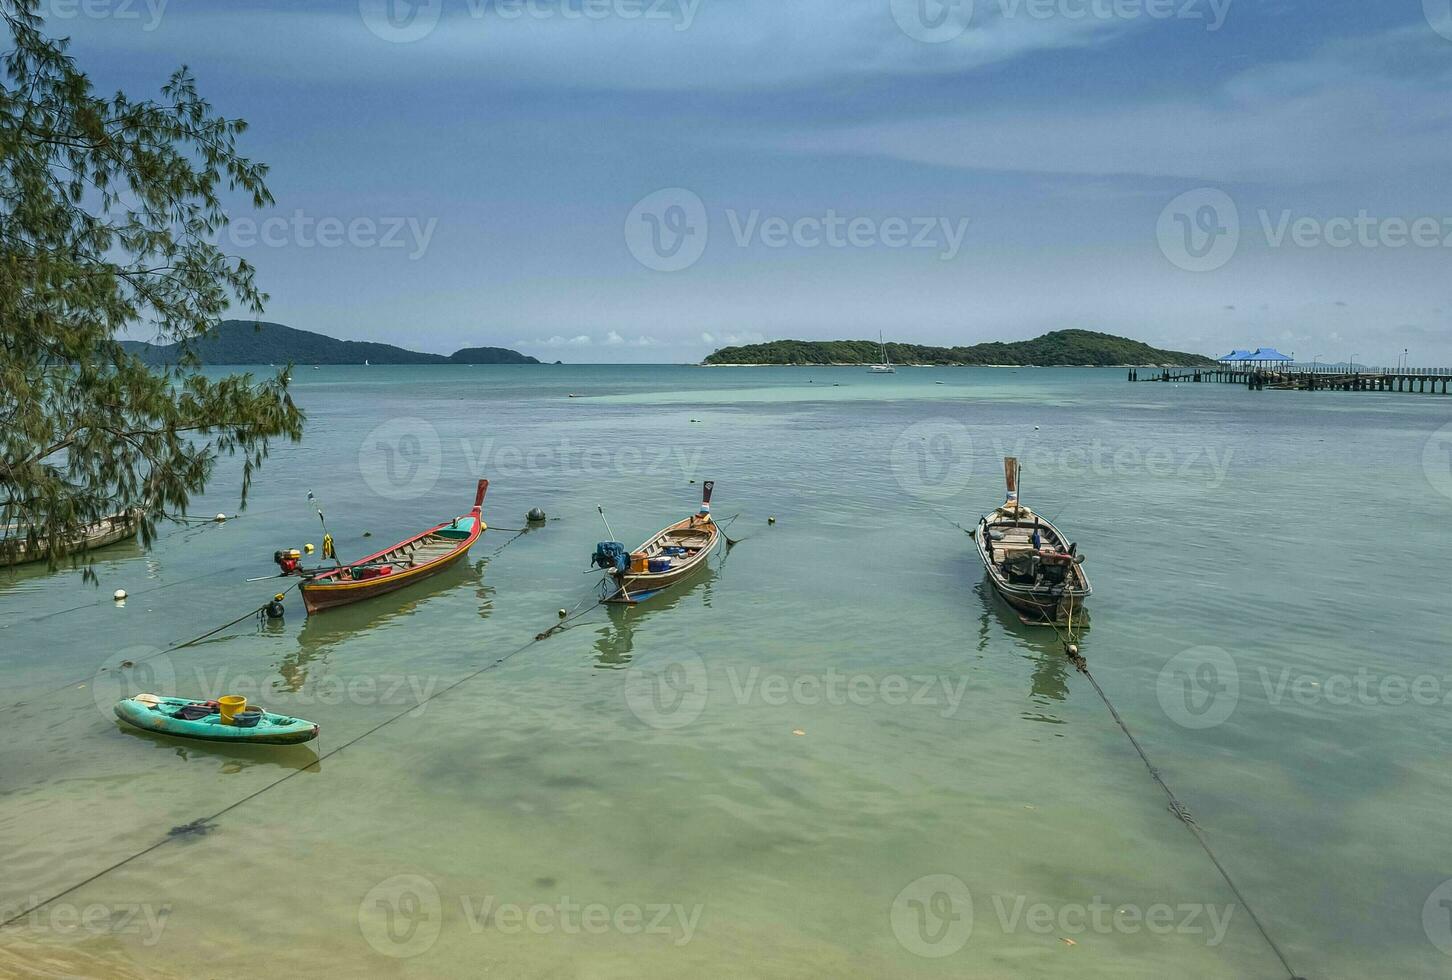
259	611
1071	650
202	823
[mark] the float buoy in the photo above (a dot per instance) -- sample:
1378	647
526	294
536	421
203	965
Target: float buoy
308	548
771	520
275	608
119	595
536	515
220	518
563	614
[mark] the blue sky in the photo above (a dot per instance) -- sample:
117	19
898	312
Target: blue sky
645	180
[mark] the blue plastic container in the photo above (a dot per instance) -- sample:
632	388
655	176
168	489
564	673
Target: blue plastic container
660	564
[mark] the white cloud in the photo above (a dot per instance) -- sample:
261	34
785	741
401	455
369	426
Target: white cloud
1346	111
686	45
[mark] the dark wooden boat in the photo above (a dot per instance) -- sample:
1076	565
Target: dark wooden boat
668	556
1036	569
406	563
108	530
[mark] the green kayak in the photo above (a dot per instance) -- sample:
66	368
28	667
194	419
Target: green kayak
168	716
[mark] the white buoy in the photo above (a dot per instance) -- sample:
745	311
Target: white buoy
119	595
220	518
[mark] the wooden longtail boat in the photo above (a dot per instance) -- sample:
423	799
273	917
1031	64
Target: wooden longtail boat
667	557
411	560
108	530
1036	569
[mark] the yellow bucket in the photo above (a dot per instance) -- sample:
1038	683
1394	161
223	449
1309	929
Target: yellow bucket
230	704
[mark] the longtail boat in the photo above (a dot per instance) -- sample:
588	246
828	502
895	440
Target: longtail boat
411	560
108	530
666	557
1031	563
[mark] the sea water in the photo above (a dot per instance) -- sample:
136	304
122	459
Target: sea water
833	753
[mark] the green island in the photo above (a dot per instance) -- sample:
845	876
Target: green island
1061	348
254	342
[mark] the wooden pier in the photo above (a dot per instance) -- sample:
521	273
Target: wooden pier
1426	381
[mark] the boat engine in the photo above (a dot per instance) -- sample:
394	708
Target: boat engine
287	560
611	555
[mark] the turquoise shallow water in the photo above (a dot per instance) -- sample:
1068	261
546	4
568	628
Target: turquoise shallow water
630	796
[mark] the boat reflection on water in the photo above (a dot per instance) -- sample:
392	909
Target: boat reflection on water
233	758
616	641
1041	648
321	634
33	576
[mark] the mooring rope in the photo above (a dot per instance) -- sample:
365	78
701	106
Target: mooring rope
1180	810
202	823
152	656
1176	807
103	601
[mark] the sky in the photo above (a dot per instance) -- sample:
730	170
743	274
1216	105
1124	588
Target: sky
648	180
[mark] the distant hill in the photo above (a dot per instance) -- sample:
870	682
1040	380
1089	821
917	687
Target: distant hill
1057	349
490	355
248	342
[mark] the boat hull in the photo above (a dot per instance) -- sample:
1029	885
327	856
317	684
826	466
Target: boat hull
154	715
630	589
118	527
340	587
323	596
1034	602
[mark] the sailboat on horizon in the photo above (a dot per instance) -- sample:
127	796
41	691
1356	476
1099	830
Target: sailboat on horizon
885	365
